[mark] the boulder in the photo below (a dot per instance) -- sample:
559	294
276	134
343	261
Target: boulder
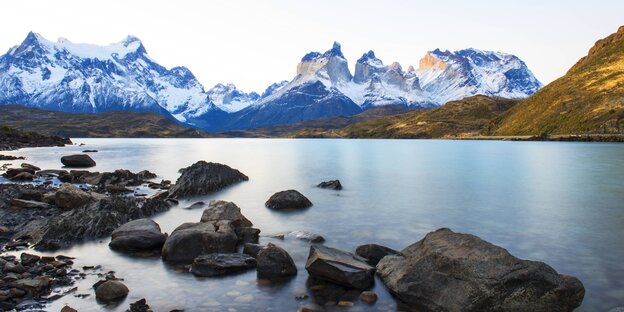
34	286
138	235
287	200
29	259
78	161
252	249
448	271
340	267
275	263
333	184
248	235
111	290
30	167
203	178
373	252
218	264
23	176
219	210
190	240
70	197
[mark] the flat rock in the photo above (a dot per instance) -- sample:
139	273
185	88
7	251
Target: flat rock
78	161
288	200
190	240
448	271
138	235
203	178
275	263
373	252
111	290
340	267
333	184
218	264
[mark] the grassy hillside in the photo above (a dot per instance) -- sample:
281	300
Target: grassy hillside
467	117
588	99
104	125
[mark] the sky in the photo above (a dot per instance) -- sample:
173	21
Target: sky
254	43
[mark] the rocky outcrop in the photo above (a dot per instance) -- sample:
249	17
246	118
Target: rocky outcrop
288	200
218	264
204	178
110	291
373	253
340	267
78	161
190	240
448	271
275	263
11	139
333	184
138	235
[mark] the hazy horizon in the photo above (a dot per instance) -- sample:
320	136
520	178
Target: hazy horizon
253	44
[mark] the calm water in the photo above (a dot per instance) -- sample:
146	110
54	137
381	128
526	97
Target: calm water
561	203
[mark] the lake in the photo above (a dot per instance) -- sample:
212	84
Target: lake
561	203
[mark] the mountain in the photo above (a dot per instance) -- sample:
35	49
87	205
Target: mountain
466	117
588	99
447	76
84	78
231	99
118	124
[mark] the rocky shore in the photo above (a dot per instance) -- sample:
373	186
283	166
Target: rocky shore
11	139
53	209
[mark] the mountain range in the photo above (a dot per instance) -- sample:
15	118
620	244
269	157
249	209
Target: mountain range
85	78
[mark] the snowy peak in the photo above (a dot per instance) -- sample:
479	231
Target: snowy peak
231	99
330	67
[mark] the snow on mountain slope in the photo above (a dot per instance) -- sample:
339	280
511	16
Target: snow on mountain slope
75	77
231	99
446	76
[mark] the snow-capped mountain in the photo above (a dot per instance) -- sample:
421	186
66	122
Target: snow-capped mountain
74	77
446	76
231	99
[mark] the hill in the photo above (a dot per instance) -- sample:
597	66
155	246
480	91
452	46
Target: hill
588	99
119	124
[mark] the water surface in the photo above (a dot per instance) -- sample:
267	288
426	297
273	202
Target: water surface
561	203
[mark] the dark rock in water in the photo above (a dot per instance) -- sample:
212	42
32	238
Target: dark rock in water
252	249
248	235
10	157
219	210
218	264
90	151
368	297
333	184
340	267
95	220
286	200
190	240
29	259
373	252
78	161
461	272
138	235
30	167
24	176
68	309
35	286
110	291
275	263
140	306
305	236
197	205
70	197
163	185
19	174
204	178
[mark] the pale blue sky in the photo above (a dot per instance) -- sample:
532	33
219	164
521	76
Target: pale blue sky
254	43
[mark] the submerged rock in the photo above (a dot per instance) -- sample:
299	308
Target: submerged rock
218	264
373	252
288	200
78	161
138	235
111	291
333	184
340	267
190	240
275	263
203	178
461	272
